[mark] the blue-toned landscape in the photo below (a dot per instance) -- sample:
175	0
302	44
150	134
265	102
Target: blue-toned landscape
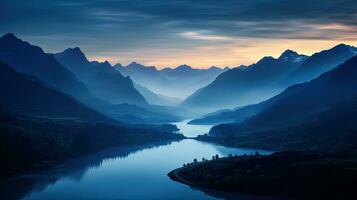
178	99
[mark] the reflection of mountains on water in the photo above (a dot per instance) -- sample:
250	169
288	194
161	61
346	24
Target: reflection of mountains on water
21	186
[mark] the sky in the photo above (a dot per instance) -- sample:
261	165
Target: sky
167	33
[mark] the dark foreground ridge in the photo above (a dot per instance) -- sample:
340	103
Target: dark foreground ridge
302	174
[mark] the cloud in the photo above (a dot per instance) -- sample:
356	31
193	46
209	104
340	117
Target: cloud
202	36
132	25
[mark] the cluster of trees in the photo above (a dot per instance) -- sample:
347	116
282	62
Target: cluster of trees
216	157
295	176
195	161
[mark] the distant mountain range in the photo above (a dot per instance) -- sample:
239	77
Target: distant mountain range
308	115
105	83
242	86
266	78
100	78
178	82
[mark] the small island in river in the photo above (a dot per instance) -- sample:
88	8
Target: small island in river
297	174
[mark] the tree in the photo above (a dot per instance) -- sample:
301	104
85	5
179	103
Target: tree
217	156
195	160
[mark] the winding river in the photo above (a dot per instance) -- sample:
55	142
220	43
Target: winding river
138	172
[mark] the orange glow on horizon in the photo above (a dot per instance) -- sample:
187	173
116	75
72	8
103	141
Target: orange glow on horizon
243	51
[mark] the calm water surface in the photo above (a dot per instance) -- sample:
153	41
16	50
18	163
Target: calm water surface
124	173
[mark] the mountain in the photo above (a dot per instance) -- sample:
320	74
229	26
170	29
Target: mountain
242	86
157	99
178	82
143	75
26	95
101	78
229	116
32	60
127	103
302	107
322	62
40	126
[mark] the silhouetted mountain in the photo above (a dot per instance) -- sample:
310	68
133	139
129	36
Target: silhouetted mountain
178	82
32	60
322	62
41	126
303	107
28	96
101	78
242	86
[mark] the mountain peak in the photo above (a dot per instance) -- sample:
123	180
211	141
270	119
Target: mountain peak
342	45
10	38
214	68
291	56
77	49
266	59
138	66
135	64
75	52
184	67
345	47
118	65
288	53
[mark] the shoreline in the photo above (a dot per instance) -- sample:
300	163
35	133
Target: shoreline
259	174
54	164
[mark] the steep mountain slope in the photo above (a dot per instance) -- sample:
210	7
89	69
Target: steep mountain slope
32	60
322	62
297	107
238	86
28	96
101	78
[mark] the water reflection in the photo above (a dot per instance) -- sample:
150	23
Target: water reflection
136	172
19	187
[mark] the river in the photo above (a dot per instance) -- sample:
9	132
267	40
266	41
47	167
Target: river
138	172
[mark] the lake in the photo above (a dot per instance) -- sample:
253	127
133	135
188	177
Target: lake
137	172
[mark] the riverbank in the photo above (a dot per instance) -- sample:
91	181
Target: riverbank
28	146
286	174
96	175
